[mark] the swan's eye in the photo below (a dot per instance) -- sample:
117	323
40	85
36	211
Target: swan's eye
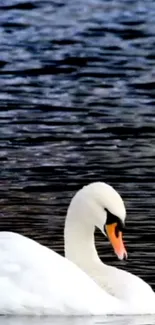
112	219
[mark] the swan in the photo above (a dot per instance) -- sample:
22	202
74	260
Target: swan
35	280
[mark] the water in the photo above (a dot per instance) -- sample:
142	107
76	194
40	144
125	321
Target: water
137	320
113	320
77	105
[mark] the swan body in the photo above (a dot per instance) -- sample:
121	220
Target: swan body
35	280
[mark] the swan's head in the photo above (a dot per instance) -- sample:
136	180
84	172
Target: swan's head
100	205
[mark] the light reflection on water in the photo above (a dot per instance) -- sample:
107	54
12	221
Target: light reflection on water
106	320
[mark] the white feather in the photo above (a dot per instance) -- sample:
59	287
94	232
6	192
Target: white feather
35	280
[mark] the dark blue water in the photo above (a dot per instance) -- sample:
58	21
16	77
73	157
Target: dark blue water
77	104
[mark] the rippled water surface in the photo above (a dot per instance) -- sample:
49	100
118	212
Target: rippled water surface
77	97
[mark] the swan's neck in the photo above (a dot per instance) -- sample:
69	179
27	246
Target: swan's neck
80	242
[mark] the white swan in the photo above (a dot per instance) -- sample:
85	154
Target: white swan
35	280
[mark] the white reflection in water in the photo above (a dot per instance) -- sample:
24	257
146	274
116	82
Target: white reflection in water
105	320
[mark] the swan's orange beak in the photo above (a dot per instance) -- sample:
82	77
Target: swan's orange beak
115	238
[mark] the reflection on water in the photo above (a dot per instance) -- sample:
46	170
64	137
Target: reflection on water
110	320
77	105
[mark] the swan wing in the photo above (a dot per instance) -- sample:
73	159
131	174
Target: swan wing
134	292
36	280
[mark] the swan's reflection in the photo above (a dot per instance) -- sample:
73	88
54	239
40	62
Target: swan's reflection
105	320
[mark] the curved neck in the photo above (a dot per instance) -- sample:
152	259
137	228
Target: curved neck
79	241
